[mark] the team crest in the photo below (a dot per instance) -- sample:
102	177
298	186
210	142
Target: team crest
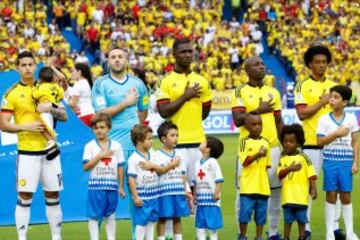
100	101
4	102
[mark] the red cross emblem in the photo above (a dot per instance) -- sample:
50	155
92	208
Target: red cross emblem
106	161
201	174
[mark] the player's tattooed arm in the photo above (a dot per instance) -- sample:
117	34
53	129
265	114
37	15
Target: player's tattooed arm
59	114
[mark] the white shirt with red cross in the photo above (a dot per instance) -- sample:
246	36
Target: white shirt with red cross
104	176
207	175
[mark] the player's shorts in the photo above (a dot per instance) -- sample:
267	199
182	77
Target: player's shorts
316	158
173	206
190	156
338	176
250	204
31	168
272	172
101	203
208	217
295	213
148	212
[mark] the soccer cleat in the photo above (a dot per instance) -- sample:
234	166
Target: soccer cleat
352	237
339	234
168	238
258	238
301	238
241	237
307	235
275	237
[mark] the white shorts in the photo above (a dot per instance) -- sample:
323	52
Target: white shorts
316	158
32	168
189	157
272	172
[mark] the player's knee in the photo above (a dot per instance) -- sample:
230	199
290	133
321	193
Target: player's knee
26	195
331	197
51	194
345	198
24	202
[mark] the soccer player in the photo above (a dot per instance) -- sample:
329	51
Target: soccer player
104	159
173	203
256	97
336	132
254	155
207	189
143	169
298	179
122	96
184	97
311	101
32	163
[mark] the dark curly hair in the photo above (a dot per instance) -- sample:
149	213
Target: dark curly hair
344	91
317	50
293	129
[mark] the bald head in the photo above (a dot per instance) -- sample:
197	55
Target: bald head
254	68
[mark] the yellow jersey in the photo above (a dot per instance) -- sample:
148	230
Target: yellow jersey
296	185
247	99
189	117
307	93
48	92
254	179
18	101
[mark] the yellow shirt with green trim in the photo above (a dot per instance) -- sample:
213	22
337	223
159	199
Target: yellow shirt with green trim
296	185
247	99
307	93
189	117
48	92
254	179
18	101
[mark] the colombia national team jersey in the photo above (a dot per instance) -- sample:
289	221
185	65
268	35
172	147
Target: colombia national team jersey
18	101
307	93
189	117
247	99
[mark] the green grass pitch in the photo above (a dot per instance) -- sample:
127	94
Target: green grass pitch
78	231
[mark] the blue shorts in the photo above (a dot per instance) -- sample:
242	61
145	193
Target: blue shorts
250	204
148	212
337	176
101	203
208	217
173	206
292	213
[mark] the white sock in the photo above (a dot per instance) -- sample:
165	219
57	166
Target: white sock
337	212
348	219
93	226
237	209
161	237
177	236
22	217
54	216
329	220
274	211
308	214
213	235
140	232
169	228
150	231
110	227
201	234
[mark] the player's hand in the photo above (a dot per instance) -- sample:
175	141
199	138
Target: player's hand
192	92
324	99
313	193
189	196
342	131
122	192
44	107
294	167
34	127
354	168
216	196
175	162
105	153
266	106
146	165
131	99
262	151
138	202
